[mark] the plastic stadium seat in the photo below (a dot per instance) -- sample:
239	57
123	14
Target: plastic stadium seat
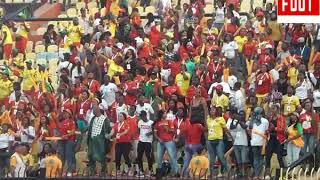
129	9
80	5
29	46
39	48
62	16
150	9
52	52
93	11
92	5
53	48
72	12
140	9
41	61
209	9
41	31
31	56
55	23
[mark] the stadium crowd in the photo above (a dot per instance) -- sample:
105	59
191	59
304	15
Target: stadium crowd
192	95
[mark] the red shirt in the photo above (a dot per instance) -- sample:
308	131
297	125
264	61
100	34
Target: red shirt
191	92
182	126
133	123
120	128
162	133
249	48
174	89
130	99
263	83
94	86
77	90
265	59
67	104
193	136
174	67
82	108
65	127
306	121
231	28
281	128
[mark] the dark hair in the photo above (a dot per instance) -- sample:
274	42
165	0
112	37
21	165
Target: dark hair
159	115
143	113
78	65
219	111
124	115
42	154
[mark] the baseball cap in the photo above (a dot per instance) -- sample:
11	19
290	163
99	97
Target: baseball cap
219	87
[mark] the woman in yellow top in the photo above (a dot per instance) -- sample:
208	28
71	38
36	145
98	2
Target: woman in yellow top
6	89
22	37
6	40
295	142
216	125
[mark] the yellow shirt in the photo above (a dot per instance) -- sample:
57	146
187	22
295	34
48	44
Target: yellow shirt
114	8
22	31
199	165
293	76
52	165
27	159
75	33
276	30
211	31
113	68
215	128
289	104
112	28
8	39
29	79
182	83
220	101
5	88
240	41
292	132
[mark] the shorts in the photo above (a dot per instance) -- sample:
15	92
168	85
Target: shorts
241	153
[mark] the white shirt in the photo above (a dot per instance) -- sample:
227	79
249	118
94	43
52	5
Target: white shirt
219	18
275	74
75	73
257	140
122	109
171	116
24	138
109	92
231	80
5	139
146	107
239	134
84	22
165	73
237	99
145	127
228	49
302	90
226	87
316	98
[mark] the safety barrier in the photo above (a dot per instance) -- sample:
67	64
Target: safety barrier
298	173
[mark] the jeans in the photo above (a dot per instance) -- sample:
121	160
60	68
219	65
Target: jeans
293	152
122	148
257	160
274	146
172	151
66	150
216	148
309	143
190	149
144	147
241	153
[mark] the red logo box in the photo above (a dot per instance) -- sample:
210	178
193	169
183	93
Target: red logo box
298	7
